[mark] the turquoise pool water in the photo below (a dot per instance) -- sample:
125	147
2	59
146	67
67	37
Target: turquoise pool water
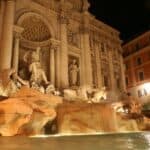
125	141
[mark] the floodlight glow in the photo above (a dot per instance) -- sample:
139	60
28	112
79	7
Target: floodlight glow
146	86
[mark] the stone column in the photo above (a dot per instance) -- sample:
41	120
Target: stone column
17	35
7	35
86	49
111	68
57	67
122	72
99	69
16	54
2	9
83	73
64	52
52	65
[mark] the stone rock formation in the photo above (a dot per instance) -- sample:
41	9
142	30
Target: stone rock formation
102	117
10	82
27	112
86	118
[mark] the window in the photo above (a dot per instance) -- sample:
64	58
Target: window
137	46
148	55
102	47
145	92
141	76
105	81
138	61
126	66
127	81
118	83
139	93
142	92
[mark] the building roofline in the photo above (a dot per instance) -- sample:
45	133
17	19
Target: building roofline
135	38
109	27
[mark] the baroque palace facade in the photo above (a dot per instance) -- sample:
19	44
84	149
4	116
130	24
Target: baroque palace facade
67	36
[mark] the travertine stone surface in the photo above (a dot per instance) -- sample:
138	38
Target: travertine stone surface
77	34
86	118
27	112
7	35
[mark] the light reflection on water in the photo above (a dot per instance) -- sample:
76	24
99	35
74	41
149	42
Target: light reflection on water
125	141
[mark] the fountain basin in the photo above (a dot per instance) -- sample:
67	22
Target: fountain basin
119	141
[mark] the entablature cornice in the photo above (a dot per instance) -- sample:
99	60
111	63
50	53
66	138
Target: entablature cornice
74	49
101	34
17	30
32	45
104	26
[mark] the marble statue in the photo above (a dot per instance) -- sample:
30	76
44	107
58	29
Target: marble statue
73	73
99	95
70	94
10	82
37	87
50	89
37	73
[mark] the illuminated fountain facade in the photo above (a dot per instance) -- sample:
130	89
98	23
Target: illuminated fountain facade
50	46
76	49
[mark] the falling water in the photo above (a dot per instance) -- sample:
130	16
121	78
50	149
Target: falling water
86	118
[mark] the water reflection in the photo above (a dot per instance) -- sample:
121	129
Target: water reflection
126	141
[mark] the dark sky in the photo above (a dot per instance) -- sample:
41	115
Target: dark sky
130	17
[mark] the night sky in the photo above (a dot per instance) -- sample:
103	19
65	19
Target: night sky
130	17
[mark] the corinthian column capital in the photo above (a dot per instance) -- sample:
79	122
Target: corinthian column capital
53	45
17	31
63	18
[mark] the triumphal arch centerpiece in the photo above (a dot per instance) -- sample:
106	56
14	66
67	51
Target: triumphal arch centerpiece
74	48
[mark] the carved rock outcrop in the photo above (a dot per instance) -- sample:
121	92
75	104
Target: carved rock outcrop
27	112
86	118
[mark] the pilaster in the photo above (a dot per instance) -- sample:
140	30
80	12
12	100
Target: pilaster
53	49
17	36
111	68
64	51
7	35
86	52
2	9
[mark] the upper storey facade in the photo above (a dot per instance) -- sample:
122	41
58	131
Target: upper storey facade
65	31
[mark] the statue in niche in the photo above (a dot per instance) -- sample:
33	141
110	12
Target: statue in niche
37	73
73	72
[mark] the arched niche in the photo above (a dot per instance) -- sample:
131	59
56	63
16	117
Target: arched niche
37	33
37	16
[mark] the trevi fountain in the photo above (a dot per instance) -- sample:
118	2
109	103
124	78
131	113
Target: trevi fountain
62	81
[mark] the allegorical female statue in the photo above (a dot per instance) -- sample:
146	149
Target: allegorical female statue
73	73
